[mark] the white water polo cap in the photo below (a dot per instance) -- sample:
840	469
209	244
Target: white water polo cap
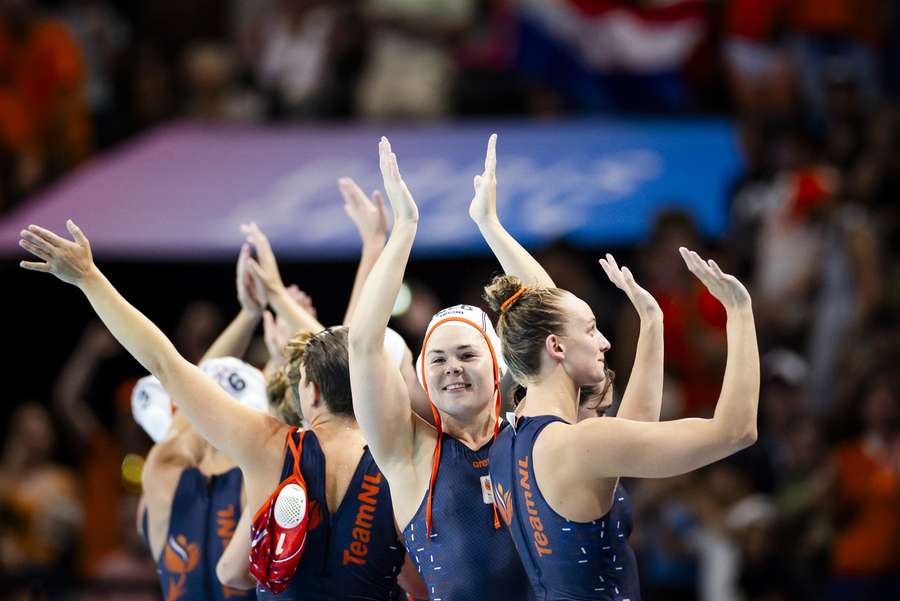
239	379
152	407
472	317
395	347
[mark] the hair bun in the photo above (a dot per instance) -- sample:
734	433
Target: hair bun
501	289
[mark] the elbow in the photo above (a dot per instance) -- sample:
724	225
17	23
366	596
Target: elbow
743	438
231	577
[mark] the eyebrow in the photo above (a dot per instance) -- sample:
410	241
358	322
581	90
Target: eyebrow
462	347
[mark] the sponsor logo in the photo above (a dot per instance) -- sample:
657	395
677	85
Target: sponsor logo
180	559
358	549
504	504
541	542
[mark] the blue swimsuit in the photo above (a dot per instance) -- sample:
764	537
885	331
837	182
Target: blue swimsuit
564	560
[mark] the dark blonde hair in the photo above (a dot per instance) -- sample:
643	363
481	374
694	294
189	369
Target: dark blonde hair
525	321
324	358
281	402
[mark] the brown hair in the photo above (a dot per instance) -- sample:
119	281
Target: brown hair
324	358
525	322
281	402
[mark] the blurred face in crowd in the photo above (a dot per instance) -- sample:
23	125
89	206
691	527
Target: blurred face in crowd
31	433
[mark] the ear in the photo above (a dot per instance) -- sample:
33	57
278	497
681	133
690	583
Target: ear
316	395
554	347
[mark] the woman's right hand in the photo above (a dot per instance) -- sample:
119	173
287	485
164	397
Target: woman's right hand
71	261
264	267
644	303
726	288
369	216
402	204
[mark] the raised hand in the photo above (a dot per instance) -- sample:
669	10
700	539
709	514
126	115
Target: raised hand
71	261
250	291
369	216
484	203
402	204
264	267
642	300
726	288
302	299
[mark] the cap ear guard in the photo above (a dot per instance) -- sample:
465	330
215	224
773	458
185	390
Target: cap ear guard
152	407
242	381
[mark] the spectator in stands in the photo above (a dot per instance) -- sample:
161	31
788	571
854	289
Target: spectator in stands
865	555
759	69
412	37
44	120
40	512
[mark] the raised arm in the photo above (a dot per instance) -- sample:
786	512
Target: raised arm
371	220
234	340
265	269
608	447
236	430
642	399
514	259
71	387
380	398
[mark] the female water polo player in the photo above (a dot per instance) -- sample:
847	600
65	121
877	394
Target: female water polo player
327	463
556	478
438	476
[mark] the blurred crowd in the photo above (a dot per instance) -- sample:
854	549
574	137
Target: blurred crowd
812	511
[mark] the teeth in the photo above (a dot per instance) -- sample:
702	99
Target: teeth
455	386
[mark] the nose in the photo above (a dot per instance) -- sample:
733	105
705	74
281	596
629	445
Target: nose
604	344
452	367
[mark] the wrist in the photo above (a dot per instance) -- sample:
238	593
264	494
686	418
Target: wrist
652	318
90	278
250	314
374	244
742	309
487	221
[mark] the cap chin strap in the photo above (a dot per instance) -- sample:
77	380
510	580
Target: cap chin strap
436	456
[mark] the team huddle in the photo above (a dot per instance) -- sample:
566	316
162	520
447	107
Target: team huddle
482	469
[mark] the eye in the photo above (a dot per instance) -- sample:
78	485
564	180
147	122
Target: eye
467	356
437	360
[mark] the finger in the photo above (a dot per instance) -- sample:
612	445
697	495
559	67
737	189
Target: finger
39	251
490	159
688	259
384	153
629	278
47	235
76	232
357	196
255	268
379	203
612	262
35	266
346	192
35	239
716	269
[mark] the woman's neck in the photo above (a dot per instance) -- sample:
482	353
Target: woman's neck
473	433
553	394
329	424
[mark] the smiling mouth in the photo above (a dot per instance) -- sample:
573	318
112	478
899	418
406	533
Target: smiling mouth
457	387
